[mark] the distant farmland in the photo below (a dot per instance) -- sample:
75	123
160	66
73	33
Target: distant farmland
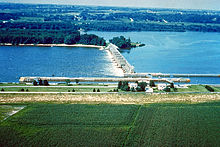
113	125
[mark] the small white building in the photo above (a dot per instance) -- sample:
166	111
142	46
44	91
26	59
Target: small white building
133	85
161	86
149	90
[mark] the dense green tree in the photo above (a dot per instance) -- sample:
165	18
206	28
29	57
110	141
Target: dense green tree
19	36
172	85
141	86
40	82
167	89
121	42
119	84
124	86
35	83
46	83
152	83
72	39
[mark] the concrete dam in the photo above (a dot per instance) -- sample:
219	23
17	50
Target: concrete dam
119	59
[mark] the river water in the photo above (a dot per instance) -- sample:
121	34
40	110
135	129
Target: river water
173	52
165	52
54	61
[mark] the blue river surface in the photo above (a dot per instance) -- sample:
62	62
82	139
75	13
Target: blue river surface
53	61
173	52
165	52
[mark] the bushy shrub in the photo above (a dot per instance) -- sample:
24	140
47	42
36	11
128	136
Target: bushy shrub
46	83
123	86
141	86
209	88
115	90
119	84
77	81
167	89
40	82
35	83
171	85
152	84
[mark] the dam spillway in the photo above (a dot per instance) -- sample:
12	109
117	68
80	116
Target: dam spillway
119	59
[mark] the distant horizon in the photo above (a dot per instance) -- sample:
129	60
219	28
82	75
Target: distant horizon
158	4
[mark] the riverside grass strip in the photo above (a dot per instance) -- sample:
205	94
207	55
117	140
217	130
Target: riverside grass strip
161	124
57	89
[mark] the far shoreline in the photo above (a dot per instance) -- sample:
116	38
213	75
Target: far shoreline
55	45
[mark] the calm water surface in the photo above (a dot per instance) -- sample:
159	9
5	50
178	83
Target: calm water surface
58	61
166	52
174	52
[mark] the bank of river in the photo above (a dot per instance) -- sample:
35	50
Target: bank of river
55	45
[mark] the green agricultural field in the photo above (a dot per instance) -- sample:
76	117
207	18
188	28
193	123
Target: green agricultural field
113	125
177	125
68	125
8	110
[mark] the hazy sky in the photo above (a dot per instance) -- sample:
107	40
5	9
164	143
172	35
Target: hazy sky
185	4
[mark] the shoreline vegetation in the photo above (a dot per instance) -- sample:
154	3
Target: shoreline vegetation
41	37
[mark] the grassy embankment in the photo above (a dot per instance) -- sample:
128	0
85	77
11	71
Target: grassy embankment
171	124
102	88
69	88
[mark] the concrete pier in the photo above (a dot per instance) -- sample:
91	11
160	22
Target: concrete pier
119	59
94	79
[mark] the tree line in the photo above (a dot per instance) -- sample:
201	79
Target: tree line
41	36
